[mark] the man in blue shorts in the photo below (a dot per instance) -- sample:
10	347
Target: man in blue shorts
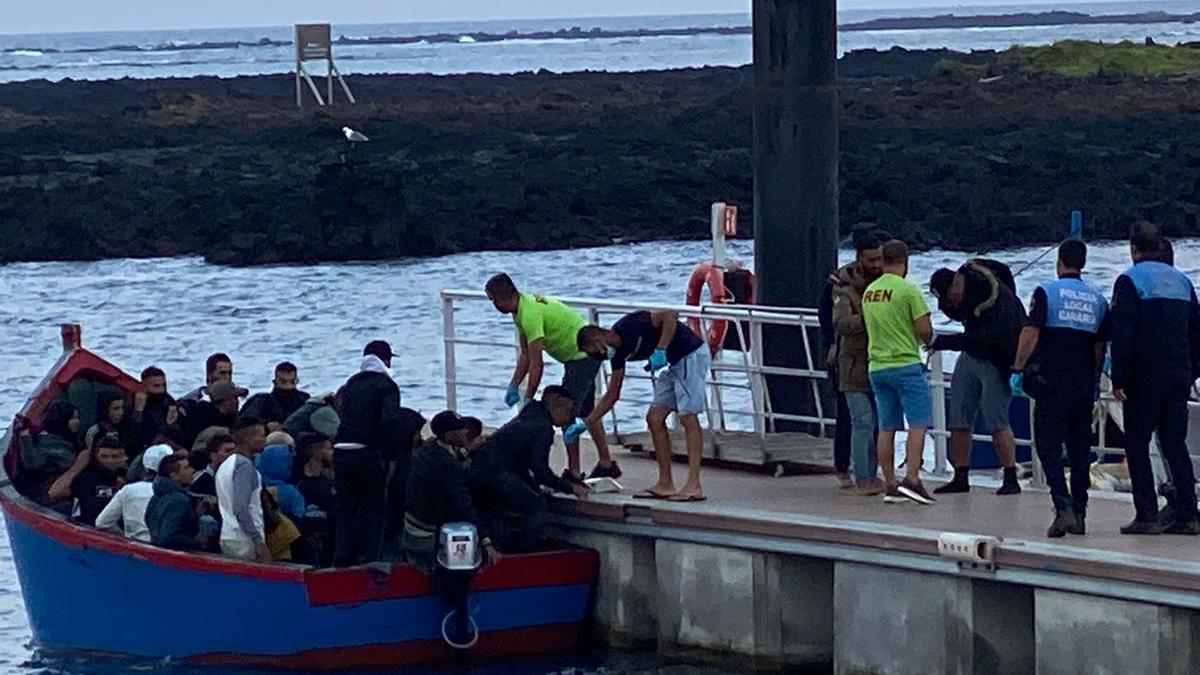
680	360
898	323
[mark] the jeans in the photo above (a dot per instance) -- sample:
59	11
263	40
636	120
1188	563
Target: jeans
1158	402
841	429
863	463
360	479
1065	418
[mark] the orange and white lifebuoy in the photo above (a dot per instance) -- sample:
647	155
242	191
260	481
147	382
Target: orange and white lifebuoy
708	274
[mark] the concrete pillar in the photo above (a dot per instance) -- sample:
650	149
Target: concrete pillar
627	589
1087	634
776	609
899	622
795	176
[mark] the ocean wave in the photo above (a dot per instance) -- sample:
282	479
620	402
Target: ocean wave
27	52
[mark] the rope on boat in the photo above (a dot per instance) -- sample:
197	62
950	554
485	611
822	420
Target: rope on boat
446	631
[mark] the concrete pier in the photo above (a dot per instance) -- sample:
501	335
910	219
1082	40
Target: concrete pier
792	572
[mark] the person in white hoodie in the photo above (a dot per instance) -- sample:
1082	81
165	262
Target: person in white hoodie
128	506
239	496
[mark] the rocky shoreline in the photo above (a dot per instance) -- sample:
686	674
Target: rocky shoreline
228	169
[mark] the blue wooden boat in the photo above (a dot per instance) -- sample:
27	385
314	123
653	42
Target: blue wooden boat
93	591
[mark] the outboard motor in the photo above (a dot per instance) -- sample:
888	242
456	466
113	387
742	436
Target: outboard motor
459	555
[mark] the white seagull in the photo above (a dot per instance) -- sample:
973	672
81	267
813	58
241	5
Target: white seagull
354	136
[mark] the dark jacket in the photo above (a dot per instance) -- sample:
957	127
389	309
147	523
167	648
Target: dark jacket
1155	326
437	488
521	447
315	415
171	518
991	315
825	313
151	421
202	415
370	415
850	349
274	406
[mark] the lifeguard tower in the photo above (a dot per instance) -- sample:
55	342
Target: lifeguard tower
314	42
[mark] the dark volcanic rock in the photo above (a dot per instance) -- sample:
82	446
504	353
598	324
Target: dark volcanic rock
229	169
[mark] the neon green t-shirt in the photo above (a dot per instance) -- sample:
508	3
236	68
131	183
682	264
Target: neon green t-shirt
549	320
890	306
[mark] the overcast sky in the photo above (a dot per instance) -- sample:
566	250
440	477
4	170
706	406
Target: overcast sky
32	16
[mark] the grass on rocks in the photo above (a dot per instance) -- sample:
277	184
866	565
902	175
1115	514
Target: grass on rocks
1079	58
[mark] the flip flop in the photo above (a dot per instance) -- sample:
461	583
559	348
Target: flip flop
651	494
687	498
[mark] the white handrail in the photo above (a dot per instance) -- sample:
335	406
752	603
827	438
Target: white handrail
725	374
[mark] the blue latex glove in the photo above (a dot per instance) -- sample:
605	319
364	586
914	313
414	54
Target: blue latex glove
1017	383
574	431
512	396
658	360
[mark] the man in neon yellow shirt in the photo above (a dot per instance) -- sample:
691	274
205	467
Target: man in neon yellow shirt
898	323
548	326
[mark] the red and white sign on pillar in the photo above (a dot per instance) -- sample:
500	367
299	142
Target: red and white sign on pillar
724	224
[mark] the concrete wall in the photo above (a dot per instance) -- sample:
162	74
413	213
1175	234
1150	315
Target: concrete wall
1102	636
775	608
901	622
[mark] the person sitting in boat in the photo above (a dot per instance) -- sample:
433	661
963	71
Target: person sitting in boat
318	415
206	462
274	463
127	509
45	458
438	492
220	410
111	418
275	406
507	471
217	367
154	410
314	453
475	437
412	424
284	539
170	514
369	437
239	496
93	479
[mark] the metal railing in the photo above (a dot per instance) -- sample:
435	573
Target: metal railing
737	377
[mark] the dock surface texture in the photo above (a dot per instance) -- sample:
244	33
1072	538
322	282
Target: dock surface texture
793	570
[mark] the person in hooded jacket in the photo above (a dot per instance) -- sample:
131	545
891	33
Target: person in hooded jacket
274	407
112	419
220	410
93	479
274	463
45	458
369	438
412	423
993	318
318	415
170	514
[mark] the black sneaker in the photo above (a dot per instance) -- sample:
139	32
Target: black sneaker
610	471
916	492
1010	487
1189	527
1142	527
572	478
893	496
953	487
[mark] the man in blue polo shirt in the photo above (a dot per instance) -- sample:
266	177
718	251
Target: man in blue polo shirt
1155	359
1058	364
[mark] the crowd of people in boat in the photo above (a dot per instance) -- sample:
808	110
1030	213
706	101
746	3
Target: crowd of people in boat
876	323
350	478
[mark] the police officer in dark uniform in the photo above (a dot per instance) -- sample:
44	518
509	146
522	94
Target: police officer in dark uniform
1155	354
1058	363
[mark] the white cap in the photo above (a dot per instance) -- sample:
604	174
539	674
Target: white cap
155	454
